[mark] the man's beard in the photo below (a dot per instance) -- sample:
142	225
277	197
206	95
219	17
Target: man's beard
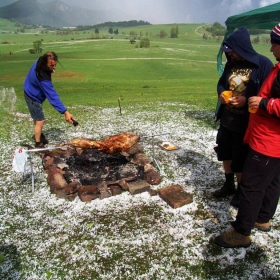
237	62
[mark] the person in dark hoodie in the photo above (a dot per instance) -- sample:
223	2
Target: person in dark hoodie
244	72
260	182
37	88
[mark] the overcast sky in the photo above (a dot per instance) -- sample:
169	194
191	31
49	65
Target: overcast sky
176	11
172	11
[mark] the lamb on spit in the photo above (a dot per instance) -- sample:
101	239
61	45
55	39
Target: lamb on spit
109	145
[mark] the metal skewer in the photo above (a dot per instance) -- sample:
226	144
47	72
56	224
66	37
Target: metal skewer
31	162
153	146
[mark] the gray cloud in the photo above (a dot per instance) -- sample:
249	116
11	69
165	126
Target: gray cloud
171	11
176	11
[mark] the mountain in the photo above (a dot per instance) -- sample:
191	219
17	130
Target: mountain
56	14
4	3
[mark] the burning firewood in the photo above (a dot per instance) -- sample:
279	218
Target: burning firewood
109	145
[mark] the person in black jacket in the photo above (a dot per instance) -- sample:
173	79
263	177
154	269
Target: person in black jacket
244	72
260	182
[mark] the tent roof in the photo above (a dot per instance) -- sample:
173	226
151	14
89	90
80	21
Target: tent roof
263	18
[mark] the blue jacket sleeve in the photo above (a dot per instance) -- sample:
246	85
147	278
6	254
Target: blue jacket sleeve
52	96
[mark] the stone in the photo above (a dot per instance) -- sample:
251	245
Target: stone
120	183
55	178
102	187
152	177
62	152
139	186
88	193
54	161
148	166
86	197
175	196
72	187
62	165
49	162
135	149
62	194
116	190
153	192
105	195
128	171
123	184
140	159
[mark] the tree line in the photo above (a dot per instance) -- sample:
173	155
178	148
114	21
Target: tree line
216	29
110	24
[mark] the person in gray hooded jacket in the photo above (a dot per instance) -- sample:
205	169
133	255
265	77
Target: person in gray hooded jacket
244	72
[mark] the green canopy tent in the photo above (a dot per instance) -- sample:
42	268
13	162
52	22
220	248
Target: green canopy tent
263	18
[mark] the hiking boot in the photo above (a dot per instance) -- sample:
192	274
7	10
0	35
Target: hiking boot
263	226
233	239
43	139
226	190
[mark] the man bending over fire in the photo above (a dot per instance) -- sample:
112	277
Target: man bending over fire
37	88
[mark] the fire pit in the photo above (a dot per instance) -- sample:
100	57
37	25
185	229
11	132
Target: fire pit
98	169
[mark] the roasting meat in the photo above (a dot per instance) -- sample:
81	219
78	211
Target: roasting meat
109	145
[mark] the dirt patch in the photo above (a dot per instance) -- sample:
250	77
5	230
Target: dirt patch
68	74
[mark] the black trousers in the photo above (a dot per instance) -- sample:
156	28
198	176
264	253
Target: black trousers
260	191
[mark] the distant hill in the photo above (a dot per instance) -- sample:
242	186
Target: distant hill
6	2
56	14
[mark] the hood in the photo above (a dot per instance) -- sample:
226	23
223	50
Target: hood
239	41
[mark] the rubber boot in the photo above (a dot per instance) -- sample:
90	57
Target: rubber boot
43	139
235	201
39	145
228	188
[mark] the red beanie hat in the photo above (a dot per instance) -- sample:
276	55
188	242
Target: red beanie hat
275	35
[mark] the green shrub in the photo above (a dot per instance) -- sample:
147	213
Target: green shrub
144	43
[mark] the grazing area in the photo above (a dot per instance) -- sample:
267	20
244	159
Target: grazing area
166	92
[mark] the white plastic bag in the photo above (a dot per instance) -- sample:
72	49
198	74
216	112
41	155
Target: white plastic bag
19	160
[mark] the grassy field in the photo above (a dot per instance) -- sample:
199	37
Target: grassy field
169	87
99	71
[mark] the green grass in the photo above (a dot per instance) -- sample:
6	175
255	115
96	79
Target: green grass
98	72
93	74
